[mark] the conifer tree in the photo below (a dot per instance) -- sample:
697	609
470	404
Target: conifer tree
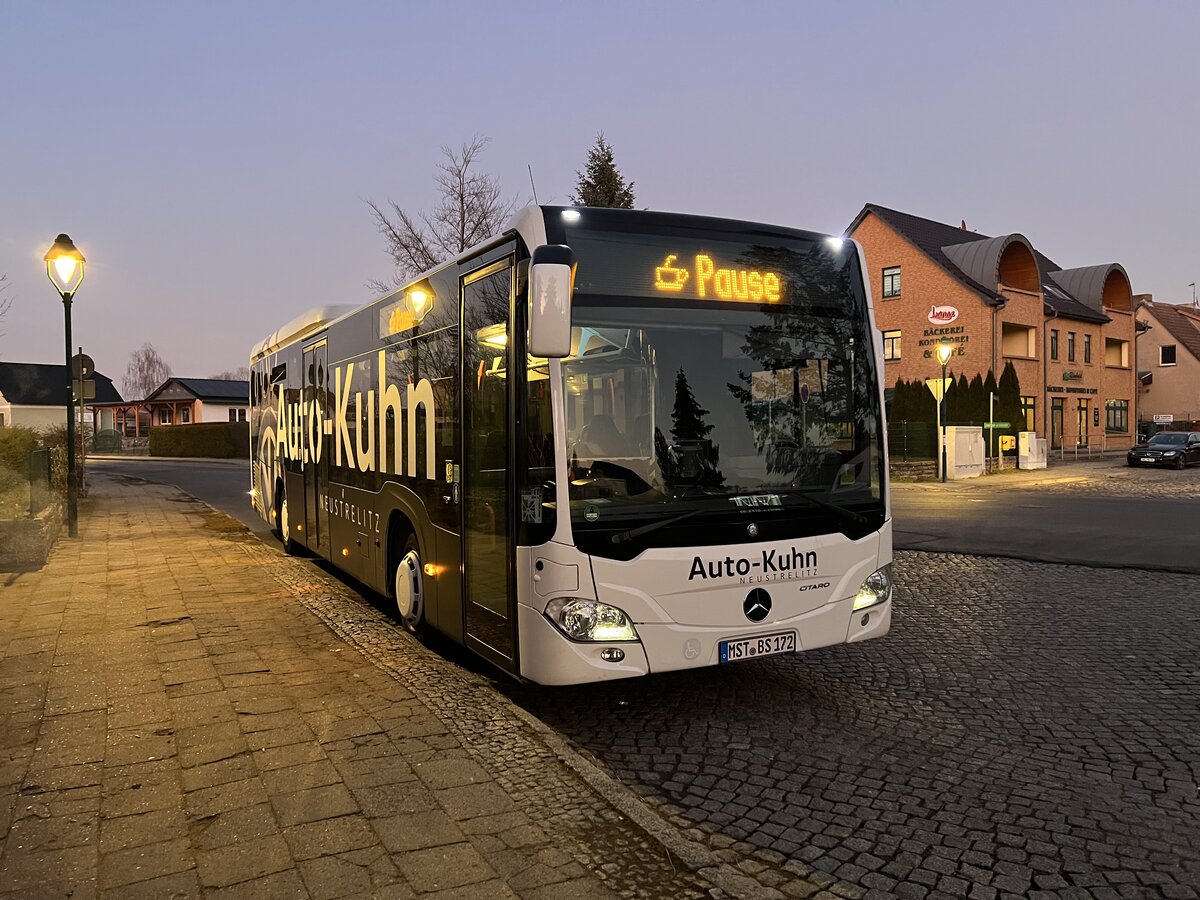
601	183
687	418
978	402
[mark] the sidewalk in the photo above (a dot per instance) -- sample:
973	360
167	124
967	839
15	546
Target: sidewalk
181	717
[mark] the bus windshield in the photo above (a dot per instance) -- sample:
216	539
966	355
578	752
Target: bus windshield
688	420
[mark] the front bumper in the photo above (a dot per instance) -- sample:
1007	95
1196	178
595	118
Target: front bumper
549	657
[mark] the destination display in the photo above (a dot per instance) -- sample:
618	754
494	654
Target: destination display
673	268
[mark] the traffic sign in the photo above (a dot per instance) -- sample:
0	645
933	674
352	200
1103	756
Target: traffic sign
996	425
89	390
938	386
82	366
1164	419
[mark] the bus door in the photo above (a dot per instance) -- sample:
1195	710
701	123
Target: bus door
489	601
316	400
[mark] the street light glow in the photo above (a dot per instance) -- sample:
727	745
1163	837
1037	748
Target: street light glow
944	351
64	265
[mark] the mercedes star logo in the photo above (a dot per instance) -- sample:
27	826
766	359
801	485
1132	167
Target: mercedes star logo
757	605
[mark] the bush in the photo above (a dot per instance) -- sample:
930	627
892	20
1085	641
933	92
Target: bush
215	440
16	443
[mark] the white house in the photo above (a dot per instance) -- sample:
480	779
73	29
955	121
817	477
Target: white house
35	394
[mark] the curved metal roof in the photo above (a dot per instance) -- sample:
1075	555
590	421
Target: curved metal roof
1087	284
981	259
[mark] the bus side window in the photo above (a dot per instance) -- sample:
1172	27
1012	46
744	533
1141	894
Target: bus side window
536	485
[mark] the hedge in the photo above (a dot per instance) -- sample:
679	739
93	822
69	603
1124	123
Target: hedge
218	440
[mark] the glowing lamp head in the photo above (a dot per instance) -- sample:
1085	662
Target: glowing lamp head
944	351
835	243
419	300
64	265
571	215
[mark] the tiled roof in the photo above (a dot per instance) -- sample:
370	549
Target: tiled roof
932	238
1183	324
216	389
43	384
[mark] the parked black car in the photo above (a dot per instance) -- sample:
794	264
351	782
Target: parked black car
1167	448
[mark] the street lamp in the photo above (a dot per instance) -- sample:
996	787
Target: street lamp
944	350
64	265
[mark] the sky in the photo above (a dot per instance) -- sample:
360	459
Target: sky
213	160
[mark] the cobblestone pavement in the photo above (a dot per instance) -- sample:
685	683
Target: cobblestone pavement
176	722
1109	476
1026	730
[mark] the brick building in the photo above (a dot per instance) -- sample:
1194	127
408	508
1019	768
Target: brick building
1069	333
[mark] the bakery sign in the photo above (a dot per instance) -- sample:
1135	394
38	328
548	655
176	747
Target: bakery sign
942	315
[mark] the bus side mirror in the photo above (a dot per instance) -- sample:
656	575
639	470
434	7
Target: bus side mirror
551	281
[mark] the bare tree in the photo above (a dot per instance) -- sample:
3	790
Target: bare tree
5	302
241	373
145	372
469	210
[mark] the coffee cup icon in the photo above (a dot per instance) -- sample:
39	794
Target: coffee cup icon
668	277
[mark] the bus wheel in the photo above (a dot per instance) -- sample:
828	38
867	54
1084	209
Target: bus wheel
284	524
409	586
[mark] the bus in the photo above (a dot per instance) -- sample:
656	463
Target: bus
602	444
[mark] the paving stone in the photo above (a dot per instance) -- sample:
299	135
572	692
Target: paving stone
417	831
329	837
448	866
243	861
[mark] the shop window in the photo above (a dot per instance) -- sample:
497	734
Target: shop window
1070	346
1087	348
1029	409
1054	343
1116	418
891	345
1166	355
891	282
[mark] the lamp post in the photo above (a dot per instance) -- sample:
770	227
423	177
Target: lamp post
64	265
944	350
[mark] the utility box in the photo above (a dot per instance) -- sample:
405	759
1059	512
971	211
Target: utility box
1031	450
964	451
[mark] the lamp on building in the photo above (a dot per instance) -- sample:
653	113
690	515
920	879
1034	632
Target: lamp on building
64	265
944	351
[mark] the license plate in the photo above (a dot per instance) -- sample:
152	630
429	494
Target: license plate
1148	460
751	648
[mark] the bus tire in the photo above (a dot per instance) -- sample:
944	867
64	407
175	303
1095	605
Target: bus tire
408	586
283	524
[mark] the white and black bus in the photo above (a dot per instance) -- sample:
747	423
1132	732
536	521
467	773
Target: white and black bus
603	444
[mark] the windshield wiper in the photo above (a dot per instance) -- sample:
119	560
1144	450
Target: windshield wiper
622	536
841	512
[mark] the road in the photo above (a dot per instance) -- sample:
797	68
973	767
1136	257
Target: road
1097	514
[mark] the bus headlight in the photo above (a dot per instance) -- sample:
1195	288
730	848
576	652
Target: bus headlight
876	589
590	620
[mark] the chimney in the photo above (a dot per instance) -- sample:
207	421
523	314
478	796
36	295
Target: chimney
964	224
1139	299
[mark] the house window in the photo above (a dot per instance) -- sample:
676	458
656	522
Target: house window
891	345
186	415
891	282
1116	419
1054	343
1087	348
1166	355
164	416
1029	408
1	420
241	415
237	415
233	415
1070	346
